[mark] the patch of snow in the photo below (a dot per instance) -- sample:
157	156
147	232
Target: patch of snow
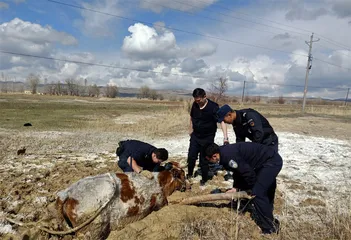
321	165
6	229
40	201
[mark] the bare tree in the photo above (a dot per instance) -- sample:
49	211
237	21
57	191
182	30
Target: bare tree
281	100
144	92
4	83
72	87
111	91
218	88
33	81
153	94
93	91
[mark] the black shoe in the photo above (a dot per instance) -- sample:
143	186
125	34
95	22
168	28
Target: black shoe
189	176
246	206
202	182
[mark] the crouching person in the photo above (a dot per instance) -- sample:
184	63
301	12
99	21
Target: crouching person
255	168
140	157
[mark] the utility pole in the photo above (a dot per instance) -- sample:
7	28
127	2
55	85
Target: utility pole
347	96
308	68
242	96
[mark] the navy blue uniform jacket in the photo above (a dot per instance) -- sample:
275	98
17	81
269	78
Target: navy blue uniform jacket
249	156
252	125
141	152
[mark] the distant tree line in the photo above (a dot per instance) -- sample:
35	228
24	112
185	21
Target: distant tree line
146	92
72	87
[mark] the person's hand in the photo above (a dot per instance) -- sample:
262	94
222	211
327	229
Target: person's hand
233	190
225	141
147	174
190	132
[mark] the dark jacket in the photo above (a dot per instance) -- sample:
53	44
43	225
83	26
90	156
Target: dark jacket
204	120
140	151
252	125
249	158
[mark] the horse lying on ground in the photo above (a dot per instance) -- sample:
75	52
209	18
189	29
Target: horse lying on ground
115	199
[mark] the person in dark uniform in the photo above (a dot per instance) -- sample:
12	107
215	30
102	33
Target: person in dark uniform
255	168
202	131
248	123
137	156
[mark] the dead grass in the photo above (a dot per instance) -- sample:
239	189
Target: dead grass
90	124
57	113
195	228
281	110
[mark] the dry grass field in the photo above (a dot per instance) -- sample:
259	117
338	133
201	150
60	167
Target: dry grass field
74	137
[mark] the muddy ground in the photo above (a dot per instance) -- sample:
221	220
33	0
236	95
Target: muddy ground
54	160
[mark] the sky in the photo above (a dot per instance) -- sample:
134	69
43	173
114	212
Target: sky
181	44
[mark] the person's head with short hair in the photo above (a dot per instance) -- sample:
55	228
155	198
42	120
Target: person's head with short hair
212	153
199	96
226	114
159	155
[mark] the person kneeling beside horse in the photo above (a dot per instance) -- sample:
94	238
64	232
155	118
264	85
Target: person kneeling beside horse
140	157
255	168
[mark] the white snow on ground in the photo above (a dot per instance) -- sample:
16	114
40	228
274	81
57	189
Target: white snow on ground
314	167
4	228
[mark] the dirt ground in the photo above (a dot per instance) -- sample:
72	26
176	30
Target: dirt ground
54	160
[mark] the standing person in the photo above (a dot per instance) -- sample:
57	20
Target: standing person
137	156
248	123
255	168
202	131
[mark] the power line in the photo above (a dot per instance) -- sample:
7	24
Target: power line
97	64
332	64
184	31
234	17
301	29
334	42
228	9
298	86
174	29
206	17
339	50
143	70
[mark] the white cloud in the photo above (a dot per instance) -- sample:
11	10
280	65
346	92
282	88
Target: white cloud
168	60
21	36
204	48
302	13
4	5
146	43
96	24
282	36
188	6
342	8
192	65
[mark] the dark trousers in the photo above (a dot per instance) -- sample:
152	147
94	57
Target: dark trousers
197	145
123	164
264	191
